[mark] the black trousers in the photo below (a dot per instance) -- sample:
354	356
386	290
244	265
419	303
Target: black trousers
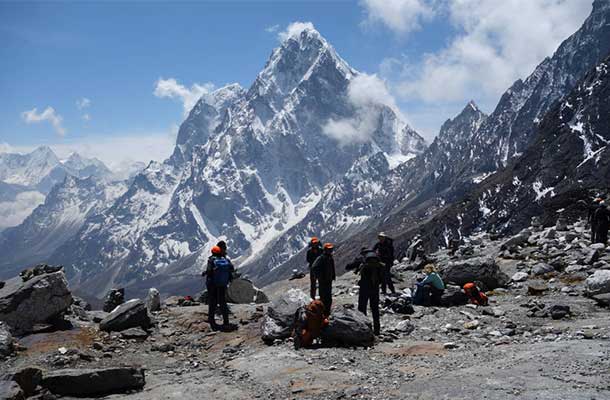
312	285
601	235
326	295
593	232
387	277
370	294
217	297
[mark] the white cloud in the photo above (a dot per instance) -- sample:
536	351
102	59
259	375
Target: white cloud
12	213
498	43
170	88
294	29
401	16
365	93
86	117
272	28
83	103
33	116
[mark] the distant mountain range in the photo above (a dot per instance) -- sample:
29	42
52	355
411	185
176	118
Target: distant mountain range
298	154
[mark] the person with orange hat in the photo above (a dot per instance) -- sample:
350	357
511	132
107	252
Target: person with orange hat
219	273
324	269
313	252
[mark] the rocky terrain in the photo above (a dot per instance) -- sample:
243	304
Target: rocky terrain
545	334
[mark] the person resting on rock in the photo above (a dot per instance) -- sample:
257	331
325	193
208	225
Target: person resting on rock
430	289
475	296
310	321
219	273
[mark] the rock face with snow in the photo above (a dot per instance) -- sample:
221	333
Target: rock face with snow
248	166
53	223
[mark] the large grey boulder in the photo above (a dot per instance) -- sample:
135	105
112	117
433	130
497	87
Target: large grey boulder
521	239
128	315
477	269
242	291
542	268
278	322
599	282
348	328
6	341
453	296
153	300
38	300
93	382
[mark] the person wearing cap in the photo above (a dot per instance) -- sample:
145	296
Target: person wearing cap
370	270
219	273
385	251
324	269
475	295
313	252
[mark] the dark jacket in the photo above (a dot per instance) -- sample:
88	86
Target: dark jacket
209	271
602	217
324	269
385	251
312	253
370	270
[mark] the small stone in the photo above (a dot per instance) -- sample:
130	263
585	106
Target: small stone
450	345
472	324
519	277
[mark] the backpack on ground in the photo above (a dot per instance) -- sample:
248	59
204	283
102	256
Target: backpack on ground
222	271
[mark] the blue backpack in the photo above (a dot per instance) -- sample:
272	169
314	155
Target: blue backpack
222	271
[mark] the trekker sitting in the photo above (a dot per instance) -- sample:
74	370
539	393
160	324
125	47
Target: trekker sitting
324	269
385	250
370	270
310	321
219	274
313	252
475	295
430	289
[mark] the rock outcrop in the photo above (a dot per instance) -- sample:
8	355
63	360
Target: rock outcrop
38	300
278	323
128	315
6	341
93	382
477	269
599	282
242	291
348	328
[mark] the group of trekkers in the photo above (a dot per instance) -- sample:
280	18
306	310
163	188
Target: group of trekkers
599	219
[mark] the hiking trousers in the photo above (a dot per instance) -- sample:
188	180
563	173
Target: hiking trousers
326	295
217	297
387	277
312	284
370	294
601	236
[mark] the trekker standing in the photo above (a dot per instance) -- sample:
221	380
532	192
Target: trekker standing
385	250
602	222
313	252
324	269
370	270
591	218
219	273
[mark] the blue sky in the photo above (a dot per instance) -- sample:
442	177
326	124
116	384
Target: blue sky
431	54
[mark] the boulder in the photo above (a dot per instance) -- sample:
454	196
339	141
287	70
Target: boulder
10	390
603	300
599	282
348	328
521	239
480	269
453	296
519	277
561	224
6	341
81	303
40	299
134	333
93	382
153	300
592	256
278	322
97	316
542	268
559	311
113	299
27	378
242	291
128	315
